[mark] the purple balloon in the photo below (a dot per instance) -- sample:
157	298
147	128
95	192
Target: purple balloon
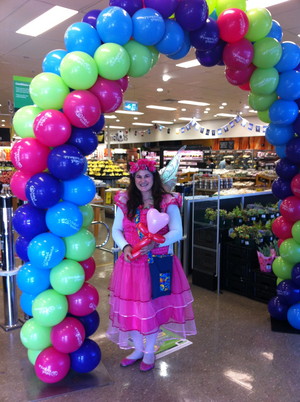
296	274
278	308
91	17
131	6
296	124
99	125
211	57
166	8
21	248
84	139
293	150
286	169
29	221
43	190
281	188
289	291
191	14
206	37
66	162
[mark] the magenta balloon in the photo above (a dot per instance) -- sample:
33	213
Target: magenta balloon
89	267
191	14
282	228
85	301
238	55
239	77
166	8
290	209
51	127
295	185
82	108
29	155
233	24
18	184
109	94
51	365
68	335
123	82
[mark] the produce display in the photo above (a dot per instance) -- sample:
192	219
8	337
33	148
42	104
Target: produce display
105	168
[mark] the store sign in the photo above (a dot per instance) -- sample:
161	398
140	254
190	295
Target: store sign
131	106
21	91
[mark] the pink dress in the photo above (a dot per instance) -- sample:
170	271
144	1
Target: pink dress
131	305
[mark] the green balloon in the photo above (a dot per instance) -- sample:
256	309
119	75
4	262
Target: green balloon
112	60
32	355
282	268
67	277
290	251
79	70
261	102
23	120
260	23
278	280
88	214
48	91
155	55
264	81
263	115
267	52
34	335
80	246
296	232
211	5
140	58
49	308
222	5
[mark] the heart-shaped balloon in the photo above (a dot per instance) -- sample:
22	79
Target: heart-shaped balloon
156	220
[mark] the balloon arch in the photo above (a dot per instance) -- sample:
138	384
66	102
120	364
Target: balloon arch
84	81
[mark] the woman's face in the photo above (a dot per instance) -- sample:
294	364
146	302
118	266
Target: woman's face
143	180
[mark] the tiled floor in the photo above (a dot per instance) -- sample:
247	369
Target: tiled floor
234	357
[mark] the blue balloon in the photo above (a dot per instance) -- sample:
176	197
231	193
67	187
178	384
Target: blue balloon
281	188
46	250
278	308
276	31
86	358
206	37
80	191
91	17
84	139
172	39
52	60
293	150
43	190
31	279
286	169
289	85
131	6
90	322
82	37
290	57
293	316
64	219
99	125
114	25
29	221
283	112
280	150
65	162
191	14
148	26
212	57
21	246
279	135
183	51
296	274
26	301
289	291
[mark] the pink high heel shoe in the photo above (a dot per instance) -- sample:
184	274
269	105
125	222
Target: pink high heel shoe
128	362
146	367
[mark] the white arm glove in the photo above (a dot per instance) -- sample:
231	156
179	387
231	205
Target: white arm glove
117	229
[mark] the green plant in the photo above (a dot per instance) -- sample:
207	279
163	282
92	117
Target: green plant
237	212
265	250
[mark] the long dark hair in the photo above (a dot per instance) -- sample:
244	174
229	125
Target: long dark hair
135	198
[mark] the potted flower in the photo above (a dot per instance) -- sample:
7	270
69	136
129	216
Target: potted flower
266	256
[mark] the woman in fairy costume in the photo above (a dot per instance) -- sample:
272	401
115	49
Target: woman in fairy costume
136	317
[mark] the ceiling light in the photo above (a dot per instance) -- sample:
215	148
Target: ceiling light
225	115
46	21
263	3
160	90
189	119
135	118
207	108
189	64
221	107
118	127
241	113
108	116
224	104
205	111
128	112
118	121
194	103
252	111
160	107
247	107
3	121
3	125
162	122
142	124
166	77
183	109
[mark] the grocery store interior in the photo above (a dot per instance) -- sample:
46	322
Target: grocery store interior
226	170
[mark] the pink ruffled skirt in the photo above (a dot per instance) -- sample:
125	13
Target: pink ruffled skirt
132	309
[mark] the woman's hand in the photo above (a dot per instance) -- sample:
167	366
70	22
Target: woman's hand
127	253
148	248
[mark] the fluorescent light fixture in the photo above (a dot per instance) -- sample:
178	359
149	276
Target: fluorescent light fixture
108	116
135	118
142	124
194	103
221	107
159	89
188	119
118	121
263	3
205	111
46	21
160	107
189	64
252	111
224	104
207	108
162	122
225	115
118	127
128	112
247	107
183	109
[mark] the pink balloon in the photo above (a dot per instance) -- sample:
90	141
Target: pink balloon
89	267
51	365
295	185
68	335
109	94
18	184
238	55
85	301
29	155
246	86
156	220
282	228
124	82
51	127
280	241
239	77
290	208
233	24
82	108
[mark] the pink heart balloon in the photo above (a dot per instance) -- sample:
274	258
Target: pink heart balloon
156	220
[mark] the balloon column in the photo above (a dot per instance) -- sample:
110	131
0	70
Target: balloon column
88	78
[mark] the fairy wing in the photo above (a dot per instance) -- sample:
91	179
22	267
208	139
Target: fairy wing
168	174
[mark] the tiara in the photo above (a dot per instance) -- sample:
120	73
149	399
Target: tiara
142	164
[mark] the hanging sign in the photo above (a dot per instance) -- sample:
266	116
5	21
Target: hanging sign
131	106
21	91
